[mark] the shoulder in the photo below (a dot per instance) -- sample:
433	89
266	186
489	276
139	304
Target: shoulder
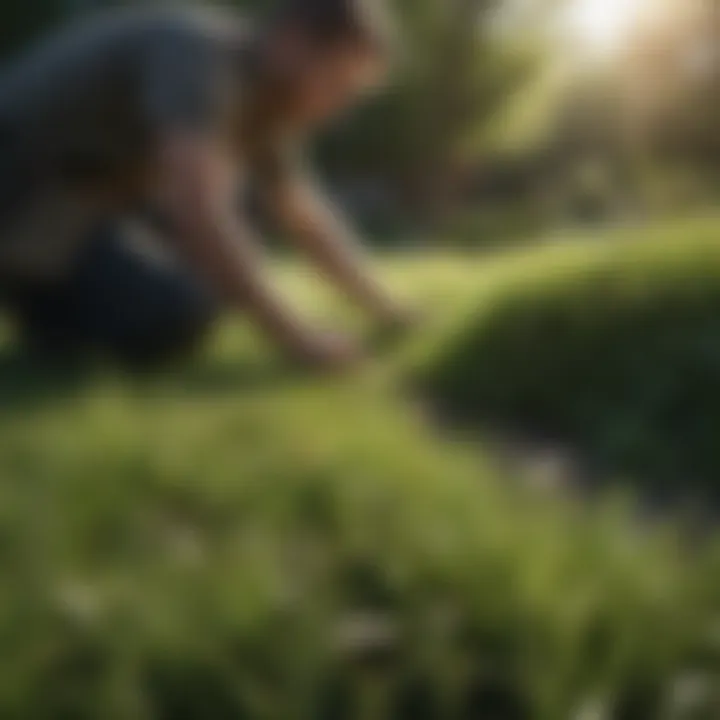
192	24
189	66
118	31
122	37
199	41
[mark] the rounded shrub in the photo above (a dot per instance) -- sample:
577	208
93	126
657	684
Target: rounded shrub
613	348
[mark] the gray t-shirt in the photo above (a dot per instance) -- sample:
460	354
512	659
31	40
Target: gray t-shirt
80	114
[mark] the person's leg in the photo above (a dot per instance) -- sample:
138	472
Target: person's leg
125	297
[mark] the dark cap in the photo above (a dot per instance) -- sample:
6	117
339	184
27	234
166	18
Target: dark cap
363	22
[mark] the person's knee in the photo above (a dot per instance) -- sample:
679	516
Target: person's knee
174	334
148	308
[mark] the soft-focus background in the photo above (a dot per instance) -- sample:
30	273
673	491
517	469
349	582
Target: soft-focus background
512	516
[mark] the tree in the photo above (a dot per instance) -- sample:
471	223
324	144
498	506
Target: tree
456	71
672	91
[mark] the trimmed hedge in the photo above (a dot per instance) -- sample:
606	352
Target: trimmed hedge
612	347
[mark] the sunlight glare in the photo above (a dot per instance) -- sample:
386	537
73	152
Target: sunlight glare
602	26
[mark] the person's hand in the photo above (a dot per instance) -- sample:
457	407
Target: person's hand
329	352
395	323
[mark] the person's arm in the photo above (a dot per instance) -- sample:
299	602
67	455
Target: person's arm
319	229
190	98
316	227
196	190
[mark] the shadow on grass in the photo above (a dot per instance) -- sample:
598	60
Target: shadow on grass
214	378
29	383
579	467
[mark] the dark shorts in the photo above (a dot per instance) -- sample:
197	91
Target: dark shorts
140	306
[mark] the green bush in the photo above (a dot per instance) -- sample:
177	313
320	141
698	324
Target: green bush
612	347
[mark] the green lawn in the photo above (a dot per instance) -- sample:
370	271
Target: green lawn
231	540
